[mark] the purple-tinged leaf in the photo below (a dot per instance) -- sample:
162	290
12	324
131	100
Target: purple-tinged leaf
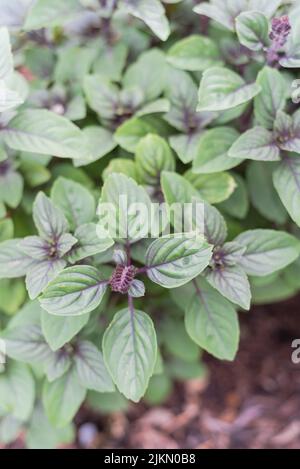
14	262
256	144
35	247
64	244
76	290
41	274
231	282
49	220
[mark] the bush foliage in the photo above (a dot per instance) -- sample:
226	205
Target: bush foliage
166	102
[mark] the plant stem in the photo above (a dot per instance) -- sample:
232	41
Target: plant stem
128	253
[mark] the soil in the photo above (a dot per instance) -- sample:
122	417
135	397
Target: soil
253	402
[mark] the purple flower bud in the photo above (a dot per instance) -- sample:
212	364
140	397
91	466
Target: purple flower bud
122	278
281	28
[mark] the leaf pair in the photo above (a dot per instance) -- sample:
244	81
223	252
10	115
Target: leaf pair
47	251
42	257
264	145
255	253
138	96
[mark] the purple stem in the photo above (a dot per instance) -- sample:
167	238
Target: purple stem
128	252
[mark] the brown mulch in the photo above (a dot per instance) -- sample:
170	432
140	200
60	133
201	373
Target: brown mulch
253	402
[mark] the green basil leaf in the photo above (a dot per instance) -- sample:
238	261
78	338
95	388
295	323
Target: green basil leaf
10	429
158	106
58	365
35	174
203	217
153	155
59	330
42	435
35	247
194	53
267	251
9	99
49	219
291	56
13	295
232	253
265	6
42	131
212	152
176	340
100	141
75	201
45	13
6	58
149	73
121	165
88	243
262	194
221	12
211	321
288	131
237	205
17	390
111	60
102	96
231	282
76	290
91	369
73	63
272	98
13	262
186	146
214	188
39	275
63	397
152	13
181	91
6	229
222	89
129	134
11	188
121	220
174	260
177	188
252	28
129	350
26	344
225	13
256	144
286	180
137	289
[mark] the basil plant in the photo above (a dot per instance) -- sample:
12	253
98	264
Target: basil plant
149	194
